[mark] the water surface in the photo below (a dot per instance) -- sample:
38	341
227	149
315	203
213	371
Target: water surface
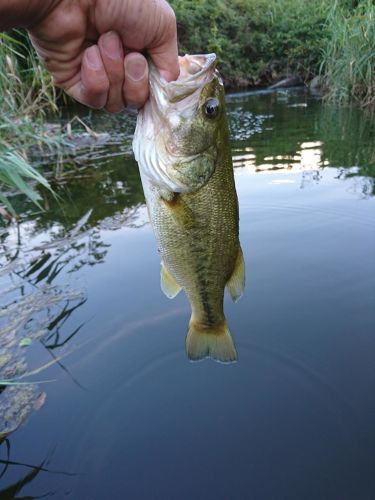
127	415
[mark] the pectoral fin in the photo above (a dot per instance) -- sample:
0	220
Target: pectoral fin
236	283
181	212
168	284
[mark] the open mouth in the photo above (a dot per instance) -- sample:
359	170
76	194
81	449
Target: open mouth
195	72
193	67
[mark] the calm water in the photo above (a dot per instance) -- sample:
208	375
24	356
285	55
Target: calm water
127	416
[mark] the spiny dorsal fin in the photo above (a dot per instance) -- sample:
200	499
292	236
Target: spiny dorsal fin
167	282
236	283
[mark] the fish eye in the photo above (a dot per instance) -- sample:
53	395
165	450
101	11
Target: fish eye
211	107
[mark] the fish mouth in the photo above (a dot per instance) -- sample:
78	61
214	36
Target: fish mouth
196	71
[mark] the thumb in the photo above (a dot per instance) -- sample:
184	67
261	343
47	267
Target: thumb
164	53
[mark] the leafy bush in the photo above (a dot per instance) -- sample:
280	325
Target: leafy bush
255	40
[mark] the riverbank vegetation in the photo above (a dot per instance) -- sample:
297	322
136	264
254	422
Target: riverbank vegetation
26	95
348	58
261	41
258	42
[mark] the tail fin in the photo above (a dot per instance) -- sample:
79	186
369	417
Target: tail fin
216	343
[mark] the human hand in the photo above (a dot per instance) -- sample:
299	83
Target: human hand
93	48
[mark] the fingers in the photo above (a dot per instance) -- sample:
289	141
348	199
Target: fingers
109	81
93	86
135	89
112	54
98	76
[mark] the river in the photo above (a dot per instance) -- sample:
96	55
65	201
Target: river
120	413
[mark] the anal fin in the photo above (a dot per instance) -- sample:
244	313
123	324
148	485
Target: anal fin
236	283
168	283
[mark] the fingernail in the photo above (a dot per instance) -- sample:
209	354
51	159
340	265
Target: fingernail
93	57
112	45
135	69
131	109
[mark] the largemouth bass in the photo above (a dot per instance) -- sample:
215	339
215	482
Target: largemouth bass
182	147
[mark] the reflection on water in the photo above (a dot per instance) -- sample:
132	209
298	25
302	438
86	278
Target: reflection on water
309	157
34	309
295	138
36	256
244	124
80	284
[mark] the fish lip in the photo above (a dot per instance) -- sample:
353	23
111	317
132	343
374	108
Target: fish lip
208	62
184	86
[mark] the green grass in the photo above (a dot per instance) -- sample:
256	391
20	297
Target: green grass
25	86
349	57
26	95
14	173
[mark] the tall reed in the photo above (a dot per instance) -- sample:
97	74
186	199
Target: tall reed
349	57
26	94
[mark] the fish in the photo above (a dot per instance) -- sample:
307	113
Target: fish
181	144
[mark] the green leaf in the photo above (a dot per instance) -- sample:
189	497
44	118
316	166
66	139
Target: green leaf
18	382
25	342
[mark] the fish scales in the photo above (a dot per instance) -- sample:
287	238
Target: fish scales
194	255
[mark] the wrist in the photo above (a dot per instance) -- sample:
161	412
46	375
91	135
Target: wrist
24	13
